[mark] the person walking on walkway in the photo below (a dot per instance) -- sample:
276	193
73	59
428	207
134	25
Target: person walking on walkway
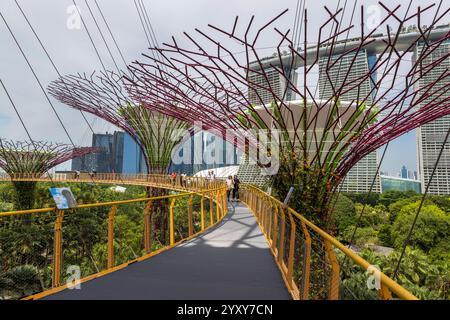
236	184
173	176
230	187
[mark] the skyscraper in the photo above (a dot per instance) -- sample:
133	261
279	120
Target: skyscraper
404	172
133	157
250	172
364	173
108	158
277	83
431	136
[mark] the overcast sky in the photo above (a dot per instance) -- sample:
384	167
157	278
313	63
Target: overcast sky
72	52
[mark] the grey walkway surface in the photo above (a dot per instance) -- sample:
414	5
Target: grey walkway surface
230	261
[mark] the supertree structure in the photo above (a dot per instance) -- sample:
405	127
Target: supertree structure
28	159
157	134
321	137
104	96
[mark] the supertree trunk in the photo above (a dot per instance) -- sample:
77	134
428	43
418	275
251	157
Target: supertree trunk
25	195
158	215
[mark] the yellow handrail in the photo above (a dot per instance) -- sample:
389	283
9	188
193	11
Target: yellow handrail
214	190
256	197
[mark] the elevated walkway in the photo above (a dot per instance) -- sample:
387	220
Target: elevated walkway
230	261
207	254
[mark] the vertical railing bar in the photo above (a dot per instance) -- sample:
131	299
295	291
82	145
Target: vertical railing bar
211	218
147	227
202	211
57	249
306	263
111	216
190	224
291	251
283	228
334	281
171	222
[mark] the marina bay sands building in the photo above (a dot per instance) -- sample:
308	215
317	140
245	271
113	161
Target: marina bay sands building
431	136
362	175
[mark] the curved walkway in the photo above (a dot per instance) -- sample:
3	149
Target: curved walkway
229	261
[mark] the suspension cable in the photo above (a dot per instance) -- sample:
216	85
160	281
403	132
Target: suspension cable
90	37
110	32
48	56
142	22
37	79
102	36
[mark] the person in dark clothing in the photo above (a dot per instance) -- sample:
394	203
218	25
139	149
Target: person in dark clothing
236	188
230	188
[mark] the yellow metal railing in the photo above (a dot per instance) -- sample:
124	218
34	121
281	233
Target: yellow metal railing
200	205
310	259
151	180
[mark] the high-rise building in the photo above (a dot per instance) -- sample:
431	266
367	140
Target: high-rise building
133	157
275	82
249	172
404	172
361	177
108	158
431	136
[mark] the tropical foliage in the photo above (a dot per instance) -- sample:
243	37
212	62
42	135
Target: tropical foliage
26	249
380	237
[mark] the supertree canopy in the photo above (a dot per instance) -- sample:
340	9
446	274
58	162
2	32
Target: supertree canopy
157	134
325	129
25	159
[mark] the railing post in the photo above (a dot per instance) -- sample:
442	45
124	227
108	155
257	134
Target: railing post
283	228
172	224
258	207
147	227
211	209
57	249
384	292
202	211
190	224
217	206
275	228
269	227
111	216
290	265
266	216
263	210
306	264
334	281
224	203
